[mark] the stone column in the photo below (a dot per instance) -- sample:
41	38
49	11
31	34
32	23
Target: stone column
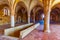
34	11
28	16
47	15
12	18
12	21
34	17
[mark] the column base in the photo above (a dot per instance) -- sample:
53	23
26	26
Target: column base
47	31
12	26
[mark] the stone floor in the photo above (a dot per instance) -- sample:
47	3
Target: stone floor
39	35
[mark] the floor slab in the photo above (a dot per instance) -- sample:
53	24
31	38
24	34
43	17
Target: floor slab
40	35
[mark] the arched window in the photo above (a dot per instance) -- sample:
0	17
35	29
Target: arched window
6	11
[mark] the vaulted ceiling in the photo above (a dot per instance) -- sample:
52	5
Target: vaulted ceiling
28	3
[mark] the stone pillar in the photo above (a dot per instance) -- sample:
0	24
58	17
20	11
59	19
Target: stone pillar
28	16
47	15
34	17
12	18
12	21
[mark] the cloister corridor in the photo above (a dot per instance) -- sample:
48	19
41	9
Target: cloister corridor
29	19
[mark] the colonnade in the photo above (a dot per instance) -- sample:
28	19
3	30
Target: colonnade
47	10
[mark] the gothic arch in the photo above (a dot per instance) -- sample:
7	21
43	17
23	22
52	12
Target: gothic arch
21	11
20	1
56	11
37	11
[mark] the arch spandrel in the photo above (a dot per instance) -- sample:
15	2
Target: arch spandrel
56	5
55	2
35	3
4	2
40	0
17	1
4	5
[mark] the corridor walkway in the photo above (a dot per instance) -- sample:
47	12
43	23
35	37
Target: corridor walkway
39	35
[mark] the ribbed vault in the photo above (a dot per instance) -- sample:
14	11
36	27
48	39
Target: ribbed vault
21	12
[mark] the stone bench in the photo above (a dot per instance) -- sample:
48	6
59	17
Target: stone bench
15	32
20	33
25	32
